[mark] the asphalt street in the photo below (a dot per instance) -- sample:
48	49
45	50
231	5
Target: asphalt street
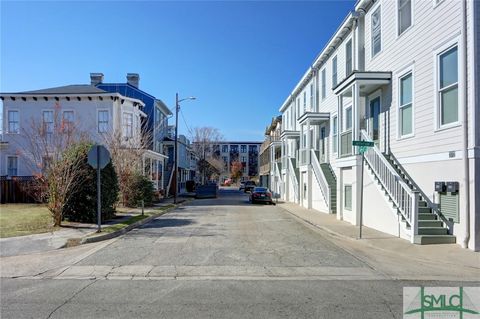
213	258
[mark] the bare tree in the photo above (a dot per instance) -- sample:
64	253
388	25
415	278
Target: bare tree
236	170
46	145
206	146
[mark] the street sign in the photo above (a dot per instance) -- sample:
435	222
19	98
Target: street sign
362	149
363	143
98	156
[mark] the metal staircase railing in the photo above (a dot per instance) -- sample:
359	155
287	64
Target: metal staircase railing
293	178
404	199
322	181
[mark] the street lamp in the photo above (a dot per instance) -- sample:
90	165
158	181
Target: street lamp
177	108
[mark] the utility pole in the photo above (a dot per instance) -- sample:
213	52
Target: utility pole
175	166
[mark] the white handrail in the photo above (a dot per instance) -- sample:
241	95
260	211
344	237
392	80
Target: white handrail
320	177
400	193
293	178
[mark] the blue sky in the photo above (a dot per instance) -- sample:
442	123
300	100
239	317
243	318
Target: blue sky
240	59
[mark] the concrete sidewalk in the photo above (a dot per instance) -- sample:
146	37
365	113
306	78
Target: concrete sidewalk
453	253
22	245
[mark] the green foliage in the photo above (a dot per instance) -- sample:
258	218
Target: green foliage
140	187
82	205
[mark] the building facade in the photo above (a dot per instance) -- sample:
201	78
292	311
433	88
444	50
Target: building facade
270	153
247	153
394	76
35	117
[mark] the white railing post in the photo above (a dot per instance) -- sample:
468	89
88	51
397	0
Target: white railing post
414	216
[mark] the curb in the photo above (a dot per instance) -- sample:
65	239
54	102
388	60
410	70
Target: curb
94	239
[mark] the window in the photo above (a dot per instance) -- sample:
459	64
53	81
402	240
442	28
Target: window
376	32
304	101
225	148
334	71
12	165
102	121
13	122
298	106
311	96
448	86
335	132
243	148
348	58
324	84
404	15
47	117
347	197
127	124
348	118
68	119
243	159
406	105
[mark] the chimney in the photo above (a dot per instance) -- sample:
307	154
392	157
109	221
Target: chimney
96	78
133	79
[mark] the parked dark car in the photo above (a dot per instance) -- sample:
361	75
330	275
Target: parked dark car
242	186
249	186
261	194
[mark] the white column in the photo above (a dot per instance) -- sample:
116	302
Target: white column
356	112
339	123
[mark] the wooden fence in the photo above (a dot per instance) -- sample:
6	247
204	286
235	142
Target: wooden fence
14	189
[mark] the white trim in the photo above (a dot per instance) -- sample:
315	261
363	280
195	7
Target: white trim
108	123
372	10
412	16
402	74
6	164
435	157
332	133
444	47
6	121
324	83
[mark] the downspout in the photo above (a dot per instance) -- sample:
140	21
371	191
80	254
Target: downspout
464	95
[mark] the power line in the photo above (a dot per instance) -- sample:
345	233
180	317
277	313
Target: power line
188	127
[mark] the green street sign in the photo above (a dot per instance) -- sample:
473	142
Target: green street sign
362	149
362	143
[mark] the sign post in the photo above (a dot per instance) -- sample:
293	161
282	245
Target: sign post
98	158
362	148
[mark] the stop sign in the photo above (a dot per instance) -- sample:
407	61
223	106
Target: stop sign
98	156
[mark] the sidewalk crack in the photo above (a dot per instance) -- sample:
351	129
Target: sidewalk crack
69	299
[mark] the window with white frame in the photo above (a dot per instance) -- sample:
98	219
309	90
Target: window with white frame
128	125
13	122
376	22
225	148
12	165
348	118
334	133
311	96
448	86
348	58
406	105
347	202
334	71
68	118
304	101
324	84
243	148
404	15
48	124
102	121
298	106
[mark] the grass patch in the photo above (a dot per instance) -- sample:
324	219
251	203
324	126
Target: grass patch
24	219
148	212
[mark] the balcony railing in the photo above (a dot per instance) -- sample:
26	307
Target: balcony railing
346	144
304	156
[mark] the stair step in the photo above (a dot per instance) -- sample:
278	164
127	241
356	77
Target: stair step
424	210
422	203
430	223
432	231
434	239
427	216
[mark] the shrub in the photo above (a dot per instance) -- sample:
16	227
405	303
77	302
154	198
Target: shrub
140	187
82	206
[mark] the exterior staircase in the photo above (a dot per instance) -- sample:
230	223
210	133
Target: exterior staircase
332	185
432	225
421	219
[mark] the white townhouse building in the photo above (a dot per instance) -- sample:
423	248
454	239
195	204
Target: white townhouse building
99	114
403	74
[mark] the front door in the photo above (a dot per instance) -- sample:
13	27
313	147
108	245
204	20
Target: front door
323	152
374	119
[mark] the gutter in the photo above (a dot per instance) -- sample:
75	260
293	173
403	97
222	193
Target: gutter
464	95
